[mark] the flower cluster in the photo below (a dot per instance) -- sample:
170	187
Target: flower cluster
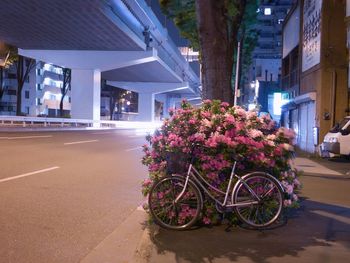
226	134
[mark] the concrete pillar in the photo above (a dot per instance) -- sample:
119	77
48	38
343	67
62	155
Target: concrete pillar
86	94
146	107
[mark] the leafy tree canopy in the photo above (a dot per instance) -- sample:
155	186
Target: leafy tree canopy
183	13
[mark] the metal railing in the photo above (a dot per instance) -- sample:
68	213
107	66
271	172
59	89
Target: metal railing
47	122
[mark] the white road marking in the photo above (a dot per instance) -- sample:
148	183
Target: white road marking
343	219
136	136
26	137
133	149
28	174
78	142
101	132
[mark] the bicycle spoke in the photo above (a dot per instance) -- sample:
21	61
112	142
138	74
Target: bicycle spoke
269	207
268	192
169	214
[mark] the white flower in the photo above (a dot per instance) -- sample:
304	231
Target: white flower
206	123
255	133
287	147
271	137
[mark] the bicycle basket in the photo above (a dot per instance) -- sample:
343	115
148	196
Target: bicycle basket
177	162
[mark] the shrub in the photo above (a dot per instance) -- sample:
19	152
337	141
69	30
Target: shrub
227	134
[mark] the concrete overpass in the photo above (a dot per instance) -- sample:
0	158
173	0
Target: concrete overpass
108	39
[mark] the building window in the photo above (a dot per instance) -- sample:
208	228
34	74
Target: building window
267	11
69	99
258	71
12	92
38	101
38	87
280	21
27	110
11	76
26	94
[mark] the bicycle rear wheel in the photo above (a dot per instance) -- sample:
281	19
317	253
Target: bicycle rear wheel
269	208
168	214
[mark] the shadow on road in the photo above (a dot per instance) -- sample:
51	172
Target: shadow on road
313	225
339	160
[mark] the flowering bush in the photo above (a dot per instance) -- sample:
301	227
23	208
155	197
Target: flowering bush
227	134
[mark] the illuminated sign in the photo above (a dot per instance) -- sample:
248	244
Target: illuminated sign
311	33
279	99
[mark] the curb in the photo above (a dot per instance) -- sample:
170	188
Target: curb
145	247
120	245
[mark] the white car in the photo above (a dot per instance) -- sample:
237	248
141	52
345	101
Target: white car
337	140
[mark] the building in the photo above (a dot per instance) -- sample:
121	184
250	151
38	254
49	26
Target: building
41	93
315	70
266	63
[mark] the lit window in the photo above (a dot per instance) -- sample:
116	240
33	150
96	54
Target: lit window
267	11
280	21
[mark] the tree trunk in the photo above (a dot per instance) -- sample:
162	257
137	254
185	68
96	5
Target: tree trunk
216	50
23	70
20	83
19	100
67	76
61	107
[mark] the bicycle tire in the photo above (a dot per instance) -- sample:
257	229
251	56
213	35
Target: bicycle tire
268	210
168	214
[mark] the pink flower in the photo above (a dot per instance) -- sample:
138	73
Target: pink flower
147	182
192	121
224	104
289	189
206	114
206	220
287	202
230	119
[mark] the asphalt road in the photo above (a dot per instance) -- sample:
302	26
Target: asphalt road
62	193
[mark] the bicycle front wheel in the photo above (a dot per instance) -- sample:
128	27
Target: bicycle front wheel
268	209
173	215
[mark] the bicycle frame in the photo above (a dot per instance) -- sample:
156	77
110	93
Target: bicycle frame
198	178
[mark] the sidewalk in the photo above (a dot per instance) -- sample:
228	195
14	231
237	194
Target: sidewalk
321	166
306	230
312	167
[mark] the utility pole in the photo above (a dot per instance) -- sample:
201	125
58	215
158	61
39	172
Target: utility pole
237	71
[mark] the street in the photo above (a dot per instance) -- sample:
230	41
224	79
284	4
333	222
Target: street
62	193
68	196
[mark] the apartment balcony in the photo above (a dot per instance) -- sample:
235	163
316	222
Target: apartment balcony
51	75
55	104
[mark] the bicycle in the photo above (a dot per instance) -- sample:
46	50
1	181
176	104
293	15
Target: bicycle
176	201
